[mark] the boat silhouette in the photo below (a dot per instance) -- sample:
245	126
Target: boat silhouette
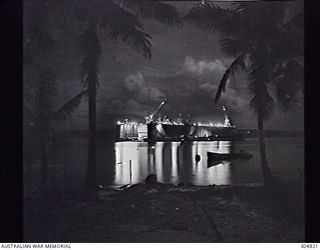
231	156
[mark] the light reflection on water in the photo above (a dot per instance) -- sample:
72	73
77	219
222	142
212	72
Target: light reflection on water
171	162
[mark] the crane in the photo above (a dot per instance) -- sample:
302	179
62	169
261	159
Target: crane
150	117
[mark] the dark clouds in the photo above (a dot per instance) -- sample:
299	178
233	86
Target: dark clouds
186	67
140	90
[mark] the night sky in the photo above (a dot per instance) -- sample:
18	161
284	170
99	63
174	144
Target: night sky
186	67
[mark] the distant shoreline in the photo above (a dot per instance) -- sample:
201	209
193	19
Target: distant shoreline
248	133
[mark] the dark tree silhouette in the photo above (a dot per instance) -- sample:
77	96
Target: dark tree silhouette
38	47
269	50
118	20
40	91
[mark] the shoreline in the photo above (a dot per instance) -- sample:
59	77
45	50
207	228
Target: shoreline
248	133
168	213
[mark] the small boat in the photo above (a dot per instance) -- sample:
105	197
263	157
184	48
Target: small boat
231	156
213	163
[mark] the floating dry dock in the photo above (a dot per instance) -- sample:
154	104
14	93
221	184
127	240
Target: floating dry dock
164	129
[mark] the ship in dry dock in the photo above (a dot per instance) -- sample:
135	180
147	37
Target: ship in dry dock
165	129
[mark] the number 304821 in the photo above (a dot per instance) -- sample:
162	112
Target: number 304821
309	245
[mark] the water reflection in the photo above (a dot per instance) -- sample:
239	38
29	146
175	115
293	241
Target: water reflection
67	162
172	162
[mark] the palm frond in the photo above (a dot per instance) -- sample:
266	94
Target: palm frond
289	44
119	23
210	17
261	100
236	65
153	9
288	81
261	11
234	47
254	20
68	108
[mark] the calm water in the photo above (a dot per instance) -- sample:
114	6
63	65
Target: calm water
121	163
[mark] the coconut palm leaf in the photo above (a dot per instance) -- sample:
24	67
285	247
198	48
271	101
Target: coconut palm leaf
234	47
65	111
261	11
254	20
236	65
288	81
119	23
261	100
210	17
153	9
289	44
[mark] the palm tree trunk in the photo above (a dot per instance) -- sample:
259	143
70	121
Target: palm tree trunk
263	154
92	80
91	165
42	107
44	160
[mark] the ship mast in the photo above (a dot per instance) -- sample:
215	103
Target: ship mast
227	121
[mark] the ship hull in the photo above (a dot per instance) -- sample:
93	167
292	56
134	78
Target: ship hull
162	132
168	132
172	132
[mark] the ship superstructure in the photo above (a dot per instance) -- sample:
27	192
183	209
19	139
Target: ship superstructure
166	129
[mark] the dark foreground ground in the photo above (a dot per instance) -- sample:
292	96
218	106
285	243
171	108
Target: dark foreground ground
167	213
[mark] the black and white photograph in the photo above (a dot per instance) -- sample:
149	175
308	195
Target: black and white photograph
163	121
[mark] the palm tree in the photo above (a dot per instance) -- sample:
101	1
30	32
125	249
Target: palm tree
39	46
43	114
268	49
39	53
118	20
